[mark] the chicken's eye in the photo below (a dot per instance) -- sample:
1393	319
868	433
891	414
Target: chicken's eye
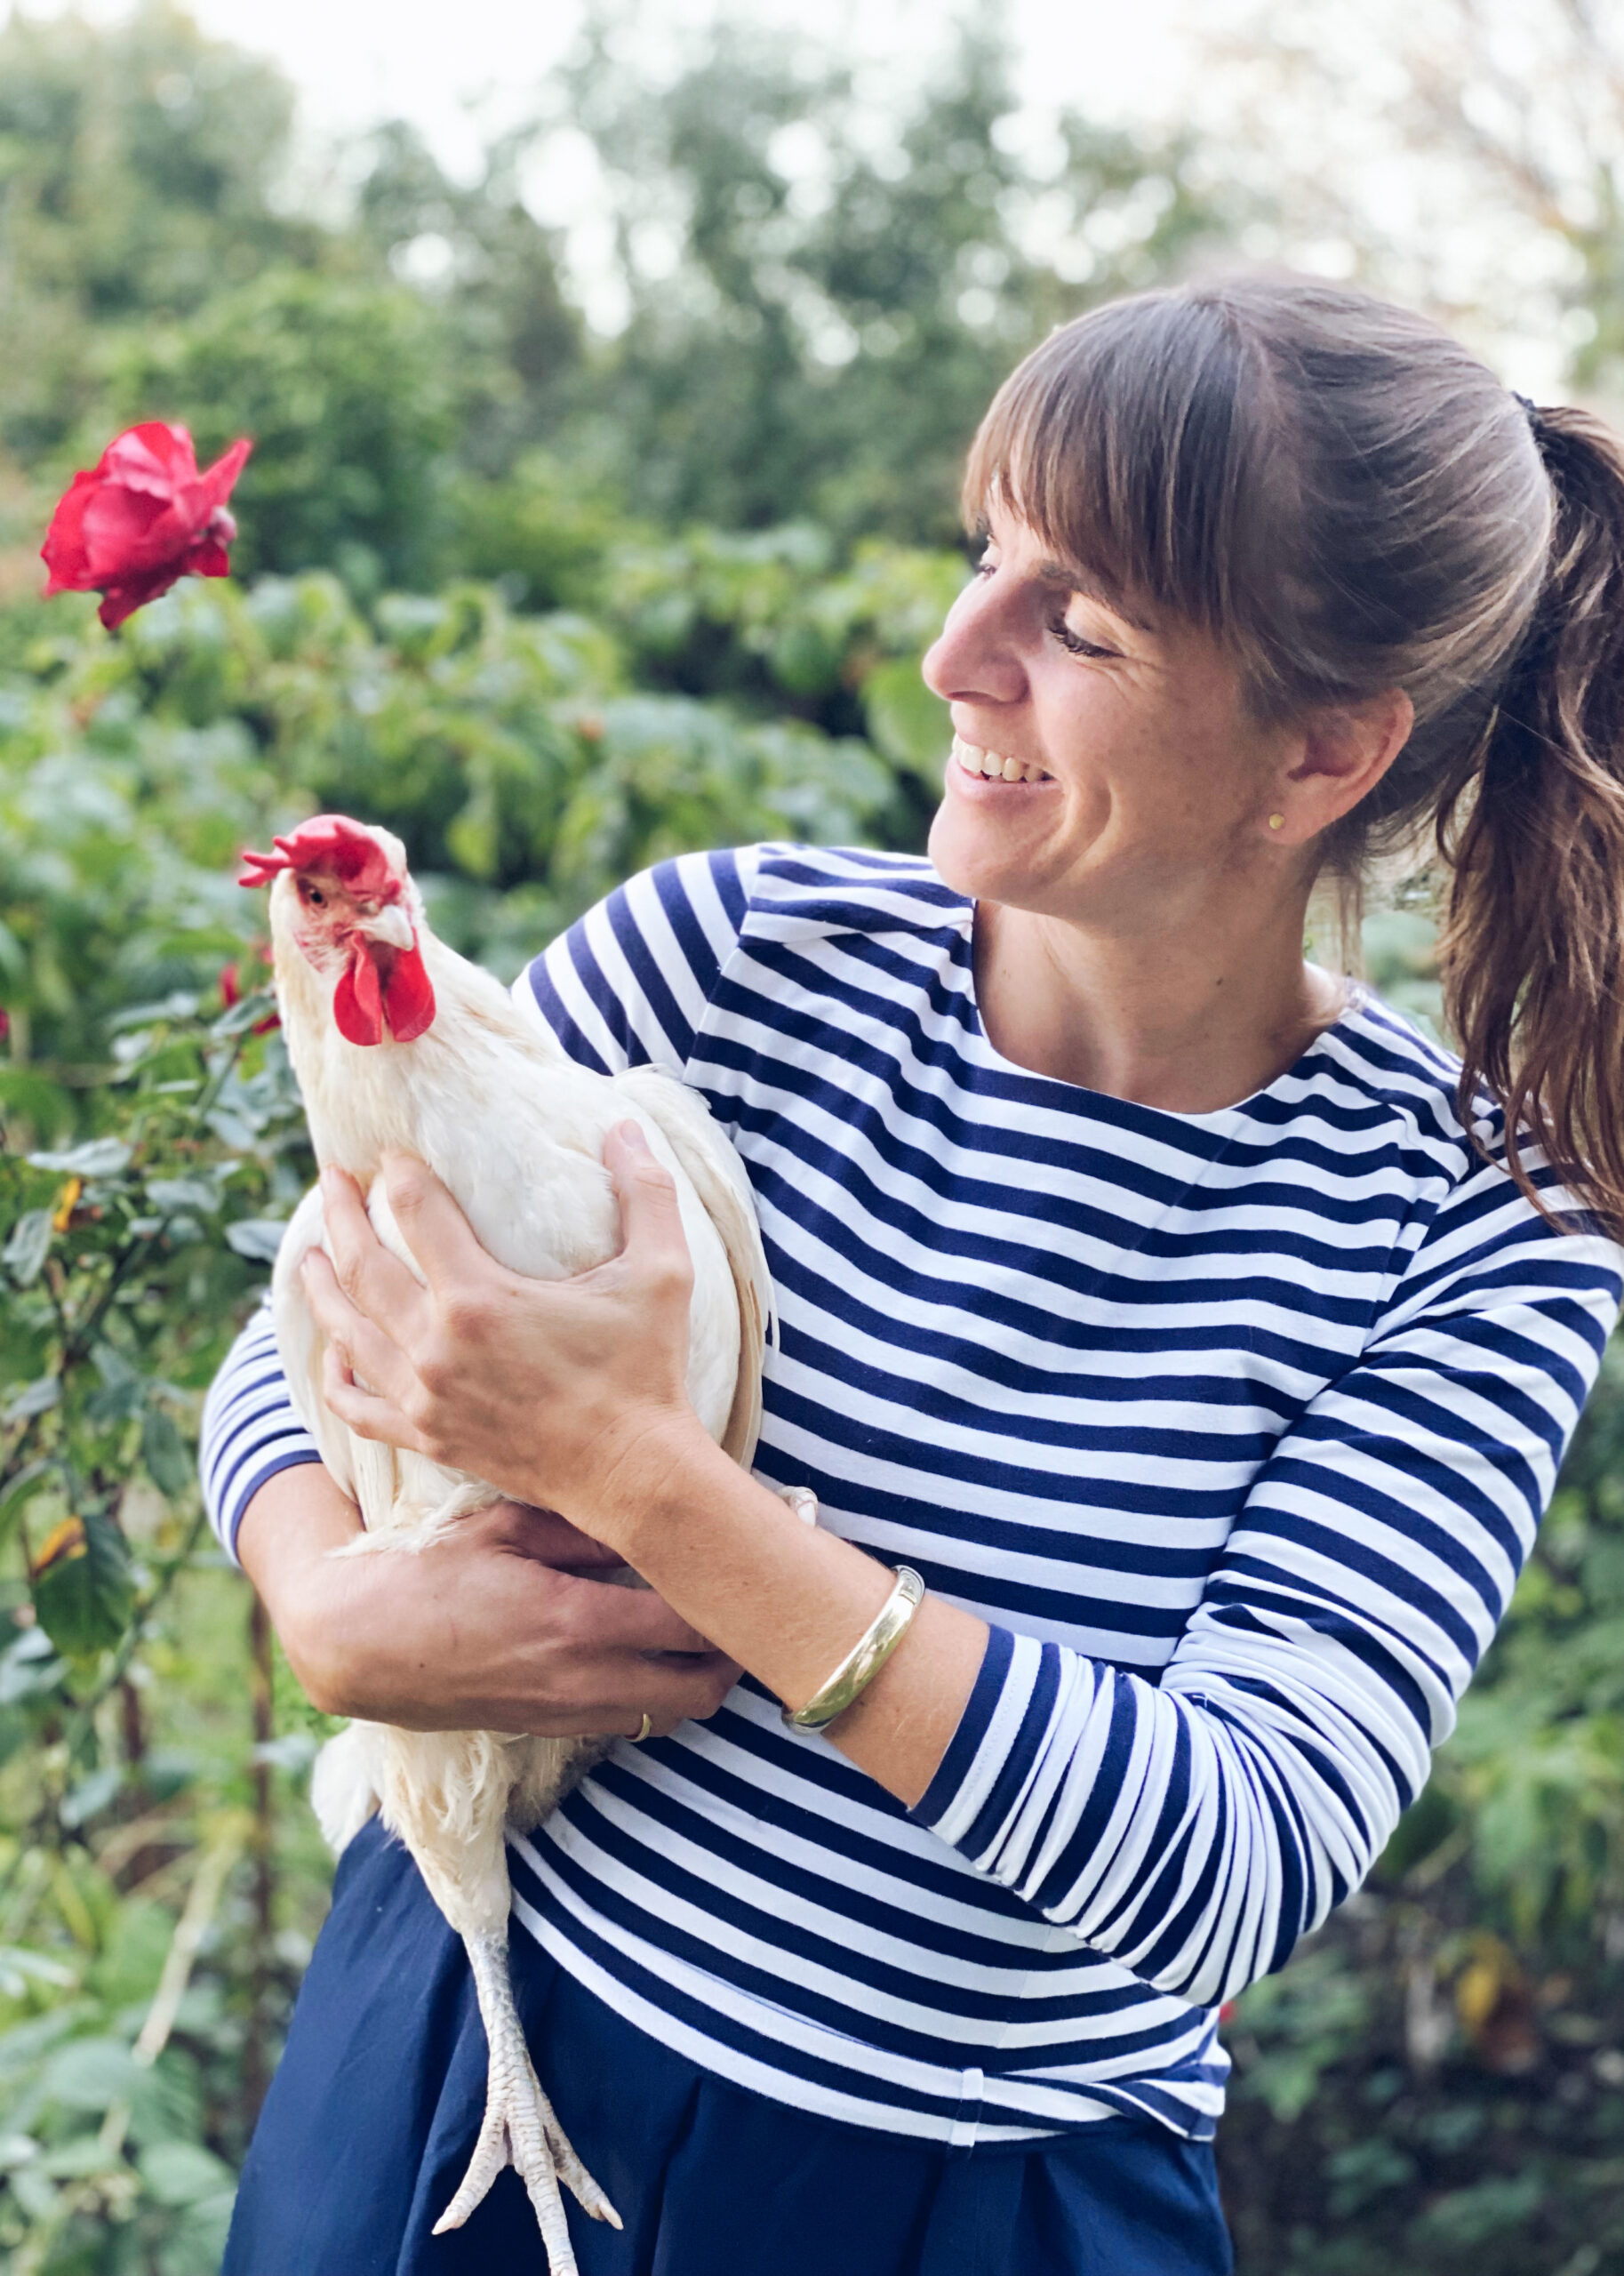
315	897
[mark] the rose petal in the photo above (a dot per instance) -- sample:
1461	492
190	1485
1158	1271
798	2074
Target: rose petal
119	526
155	457
221	479
122	599
208	558
63	552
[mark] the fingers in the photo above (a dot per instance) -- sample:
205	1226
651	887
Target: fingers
366	1413
433	1227
355	1346
667	1692
607	1619
375	1282
651	1236
546	1537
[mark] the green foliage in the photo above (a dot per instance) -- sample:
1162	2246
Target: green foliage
819	300
822	303
137	168
344	386
123	1283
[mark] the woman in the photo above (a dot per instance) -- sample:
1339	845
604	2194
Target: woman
1205	1339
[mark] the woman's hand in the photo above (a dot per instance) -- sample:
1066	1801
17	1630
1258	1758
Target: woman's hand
501	1626
572	1393
563	1392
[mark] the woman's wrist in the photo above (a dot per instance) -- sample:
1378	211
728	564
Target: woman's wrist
664	1464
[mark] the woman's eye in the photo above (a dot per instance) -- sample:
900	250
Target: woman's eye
1073	641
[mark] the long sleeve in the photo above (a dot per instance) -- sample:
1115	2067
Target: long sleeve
1194	1828
250	1430
626	985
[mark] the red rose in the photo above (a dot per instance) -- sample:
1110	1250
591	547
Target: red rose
144	519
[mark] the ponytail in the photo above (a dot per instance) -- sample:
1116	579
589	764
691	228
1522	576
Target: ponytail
1533	950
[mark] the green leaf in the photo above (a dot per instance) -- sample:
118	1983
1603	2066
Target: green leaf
28	1668
257	1238
91	2074
83	1590
91	1794
97	1158
27	1247
247	1012
183	2173
20	1968
172	1193
169	1462
123	1392
195	2245
909	724
36	1398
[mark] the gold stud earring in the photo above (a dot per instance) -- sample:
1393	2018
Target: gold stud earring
1276	822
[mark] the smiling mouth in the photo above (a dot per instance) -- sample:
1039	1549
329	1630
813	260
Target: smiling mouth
991	766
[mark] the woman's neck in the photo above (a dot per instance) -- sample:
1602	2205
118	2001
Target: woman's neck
1188	1027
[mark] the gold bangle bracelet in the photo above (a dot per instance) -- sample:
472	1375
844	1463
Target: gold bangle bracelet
867	1656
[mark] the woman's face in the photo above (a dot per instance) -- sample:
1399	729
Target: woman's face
1140	780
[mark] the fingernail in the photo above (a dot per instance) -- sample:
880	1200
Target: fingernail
631	1134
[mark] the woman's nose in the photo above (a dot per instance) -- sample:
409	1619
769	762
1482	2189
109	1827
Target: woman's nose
975	659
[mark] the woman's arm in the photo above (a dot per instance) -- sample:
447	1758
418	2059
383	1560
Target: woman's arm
573	1391
499	1627
1191	1829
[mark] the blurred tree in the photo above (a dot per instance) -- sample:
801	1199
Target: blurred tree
822	299
345	387
478	254
822	293
136	166
1464	155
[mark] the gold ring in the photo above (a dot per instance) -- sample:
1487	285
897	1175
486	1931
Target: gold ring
648	1724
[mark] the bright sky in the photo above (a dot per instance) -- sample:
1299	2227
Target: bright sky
356	60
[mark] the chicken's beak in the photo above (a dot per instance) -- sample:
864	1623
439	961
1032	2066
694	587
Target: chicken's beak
390	925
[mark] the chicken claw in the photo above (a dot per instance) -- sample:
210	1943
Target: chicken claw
520	2126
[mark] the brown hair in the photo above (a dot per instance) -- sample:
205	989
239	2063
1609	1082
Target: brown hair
1350	501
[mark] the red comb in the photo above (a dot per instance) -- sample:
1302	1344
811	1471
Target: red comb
330	842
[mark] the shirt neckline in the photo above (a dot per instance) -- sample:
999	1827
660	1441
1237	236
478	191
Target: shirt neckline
1080	1097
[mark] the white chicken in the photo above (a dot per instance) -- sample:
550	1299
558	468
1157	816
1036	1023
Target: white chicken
398	1042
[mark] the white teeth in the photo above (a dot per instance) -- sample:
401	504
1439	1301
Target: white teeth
992	766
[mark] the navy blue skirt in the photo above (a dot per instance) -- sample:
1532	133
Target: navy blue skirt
372	2114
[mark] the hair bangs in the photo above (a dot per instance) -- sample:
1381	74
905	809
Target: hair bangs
1131	442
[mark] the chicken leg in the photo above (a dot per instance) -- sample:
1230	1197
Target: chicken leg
520	2126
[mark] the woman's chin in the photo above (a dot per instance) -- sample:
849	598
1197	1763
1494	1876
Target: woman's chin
990	855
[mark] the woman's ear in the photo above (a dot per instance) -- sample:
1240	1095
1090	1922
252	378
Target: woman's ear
1344	751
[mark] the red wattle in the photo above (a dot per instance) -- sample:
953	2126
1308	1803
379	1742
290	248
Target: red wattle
358	1000
408	996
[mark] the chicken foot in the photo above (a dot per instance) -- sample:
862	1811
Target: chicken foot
520	2126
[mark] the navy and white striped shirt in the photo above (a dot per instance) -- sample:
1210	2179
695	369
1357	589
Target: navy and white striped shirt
1234	1426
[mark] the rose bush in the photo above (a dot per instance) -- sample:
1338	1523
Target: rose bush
141	519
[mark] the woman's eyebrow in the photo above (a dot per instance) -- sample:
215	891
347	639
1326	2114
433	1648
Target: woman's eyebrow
1073	578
